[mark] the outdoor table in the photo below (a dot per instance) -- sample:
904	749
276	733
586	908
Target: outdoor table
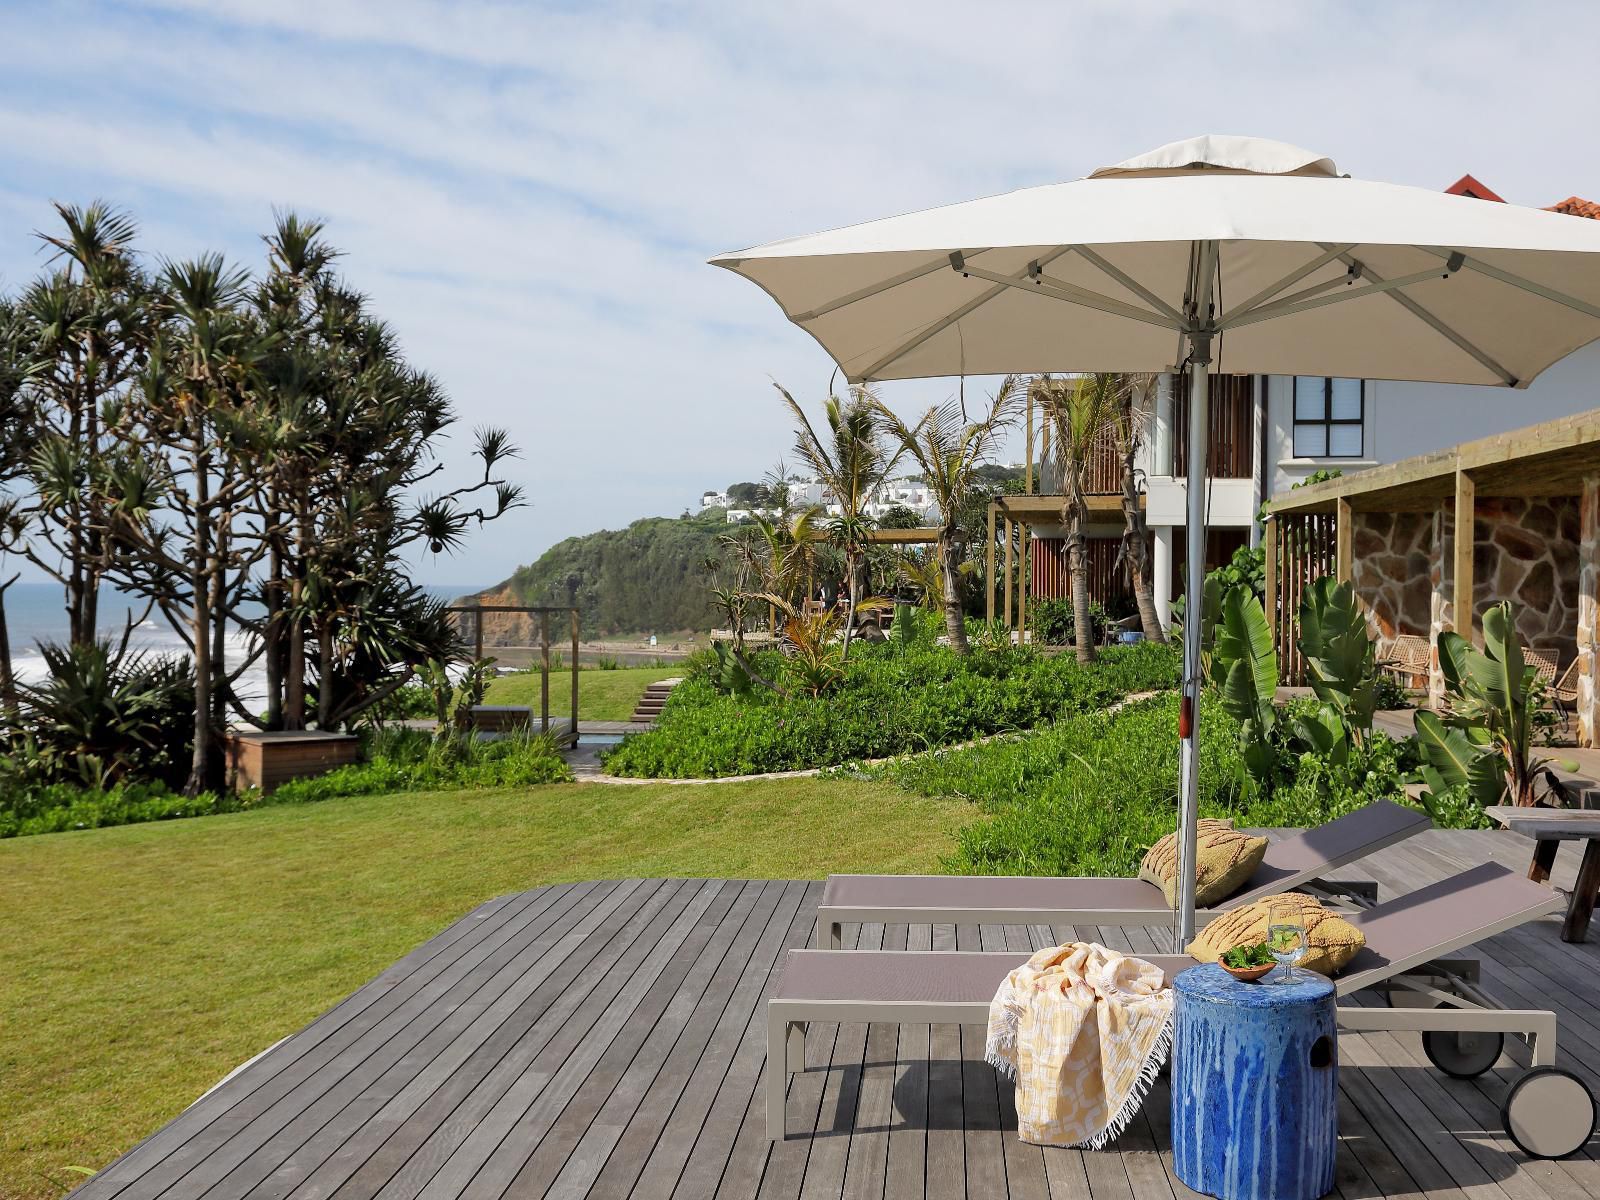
1254	1085
1549	827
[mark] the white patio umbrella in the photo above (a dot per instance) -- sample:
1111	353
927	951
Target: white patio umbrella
1254	254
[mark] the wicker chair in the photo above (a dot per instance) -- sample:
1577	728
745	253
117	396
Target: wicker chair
1561	689
1409	658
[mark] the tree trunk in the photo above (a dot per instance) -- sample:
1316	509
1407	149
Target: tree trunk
1076	516
8	682
955	625
272	628
850	606
327	701
1135	549
200	583
294	716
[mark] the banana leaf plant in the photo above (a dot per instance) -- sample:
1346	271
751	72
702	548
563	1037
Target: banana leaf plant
1341	659
1244	669
1484	739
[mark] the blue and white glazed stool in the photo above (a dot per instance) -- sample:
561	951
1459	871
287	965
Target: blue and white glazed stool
1254	1086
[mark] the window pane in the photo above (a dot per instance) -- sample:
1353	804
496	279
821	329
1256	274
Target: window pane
1310	398
1344	441
1346	400
1310	441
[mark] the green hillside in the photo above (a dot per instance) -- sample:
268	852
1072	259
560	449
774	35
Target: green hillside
645	578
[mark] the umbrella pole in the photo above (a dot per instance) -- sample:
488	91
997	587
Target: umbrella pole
1193	586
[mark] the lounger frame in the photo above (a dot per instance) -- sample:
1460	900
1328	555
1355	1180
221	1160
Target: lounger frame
1423	977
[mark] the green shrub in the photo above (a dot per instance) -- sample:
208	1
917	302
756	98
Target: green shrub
1089	795
102	717
889	702
57	807
408	760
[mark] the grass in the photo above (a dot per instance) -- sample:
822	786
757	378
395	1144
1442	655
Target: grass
602	695
145	962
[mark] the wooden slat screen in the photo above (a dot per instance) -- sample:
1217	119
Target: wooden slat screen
1050	580
1306	550
1230	414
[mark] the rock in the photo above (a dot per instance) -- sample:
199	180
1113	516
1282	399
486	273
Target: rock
1520	543
1538	590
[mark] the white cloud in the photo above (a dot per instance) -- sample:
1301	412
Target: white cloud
529	192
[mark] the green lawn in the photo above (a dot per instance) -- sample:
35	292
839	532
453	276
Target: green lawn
145	962
602	695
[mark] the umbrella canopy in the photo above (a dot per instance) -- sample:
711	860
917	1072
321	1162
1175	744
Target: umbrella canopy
1253	255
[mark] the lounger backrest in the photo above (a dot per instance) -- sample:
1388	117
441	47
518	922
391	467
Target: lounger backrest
1440	919
1299	859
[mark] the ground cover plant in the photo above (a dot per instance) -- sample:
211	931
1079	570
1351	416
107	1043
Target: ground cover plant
603	695
1088	795
209	940
889	700
392	760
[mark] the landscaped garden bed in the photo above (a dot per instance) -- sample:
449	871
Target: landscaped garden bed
890	700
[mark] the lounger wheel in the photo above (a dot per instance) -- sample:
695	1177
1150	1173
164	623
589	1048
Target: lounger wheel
1549	1113
1463	1054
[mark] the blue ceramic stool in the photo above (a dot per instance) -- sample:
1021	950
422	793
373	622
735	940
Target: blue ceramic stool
1254	1086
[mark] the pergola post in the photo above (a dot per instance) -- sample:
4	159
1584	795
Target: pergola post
1344	542
990	582
1461	565
1009	563
1588	701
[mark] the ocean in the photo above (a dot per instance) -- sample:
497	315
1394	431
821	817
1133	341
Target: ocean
36	613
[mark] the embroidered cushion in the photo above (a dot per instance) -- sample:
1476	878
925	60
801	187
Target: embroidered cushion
1331	941
1225	858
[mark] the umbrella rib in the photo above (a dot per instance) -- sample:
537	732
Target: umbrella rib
1133	285
1460	341
1289	308
970	306
1517	281
1070	293
873	289
1295	276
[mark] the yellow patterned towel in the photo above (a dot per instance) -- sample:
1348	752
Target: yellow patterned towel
1083	1030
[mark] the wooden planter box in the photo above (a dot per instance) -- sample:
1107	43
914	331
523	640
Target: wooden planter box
264	760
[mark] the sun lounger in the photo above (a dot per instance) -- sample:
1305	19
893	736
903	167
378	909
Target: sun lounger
1549	1113
1292	863
1409	658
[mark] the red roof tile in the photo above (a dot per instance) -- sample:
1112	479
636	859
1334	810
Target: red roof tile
1577	206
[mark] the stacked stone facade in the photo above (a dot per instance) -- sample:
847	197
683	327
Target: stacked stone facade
1588	625
1527	551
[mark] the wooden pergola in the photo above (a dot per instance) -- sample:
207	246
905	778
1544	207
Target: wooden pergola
1314	526
1012	517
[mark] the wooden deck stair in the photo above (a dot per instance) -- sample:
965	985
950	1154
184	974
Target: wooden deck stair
654	699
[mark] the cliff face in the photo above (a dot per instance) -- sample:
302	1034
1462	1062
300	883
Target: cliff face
511	629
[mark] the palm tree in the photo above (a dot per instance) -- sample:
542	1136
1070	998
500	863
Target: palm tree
1134	554
1081	412
850	462
949	449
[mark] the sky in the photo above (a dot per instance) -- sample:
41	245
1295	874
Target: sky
528	192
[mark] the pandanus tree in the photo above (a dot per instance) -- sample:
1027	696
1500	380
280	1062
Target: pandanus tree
1081	412
849	460
949	448
17	366
88	325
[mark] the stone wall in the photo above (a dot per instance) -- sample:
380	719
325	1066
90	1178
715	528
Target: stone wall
1525	551
1392	553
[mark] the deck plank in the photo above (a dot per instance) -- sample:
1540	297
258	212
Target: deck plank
607	1040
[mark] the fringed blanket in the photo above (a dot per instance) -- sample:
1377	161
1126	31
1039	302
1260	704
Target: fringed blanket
1083	1030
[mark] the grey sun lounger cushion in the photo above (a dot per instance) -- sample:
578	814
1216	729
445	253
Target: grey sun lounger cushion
1288	864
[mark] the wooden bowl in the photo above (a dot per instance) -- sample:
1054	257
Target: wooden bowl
1246	974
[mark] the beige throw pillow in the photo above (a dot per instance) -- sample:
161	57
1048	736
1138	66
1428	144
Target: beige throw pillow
1224	859
1331	941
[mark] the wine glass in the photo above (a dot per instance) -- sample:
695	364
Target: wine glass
1286	937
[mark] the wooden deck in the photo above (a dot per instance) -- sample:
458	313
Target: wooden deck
607	1040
